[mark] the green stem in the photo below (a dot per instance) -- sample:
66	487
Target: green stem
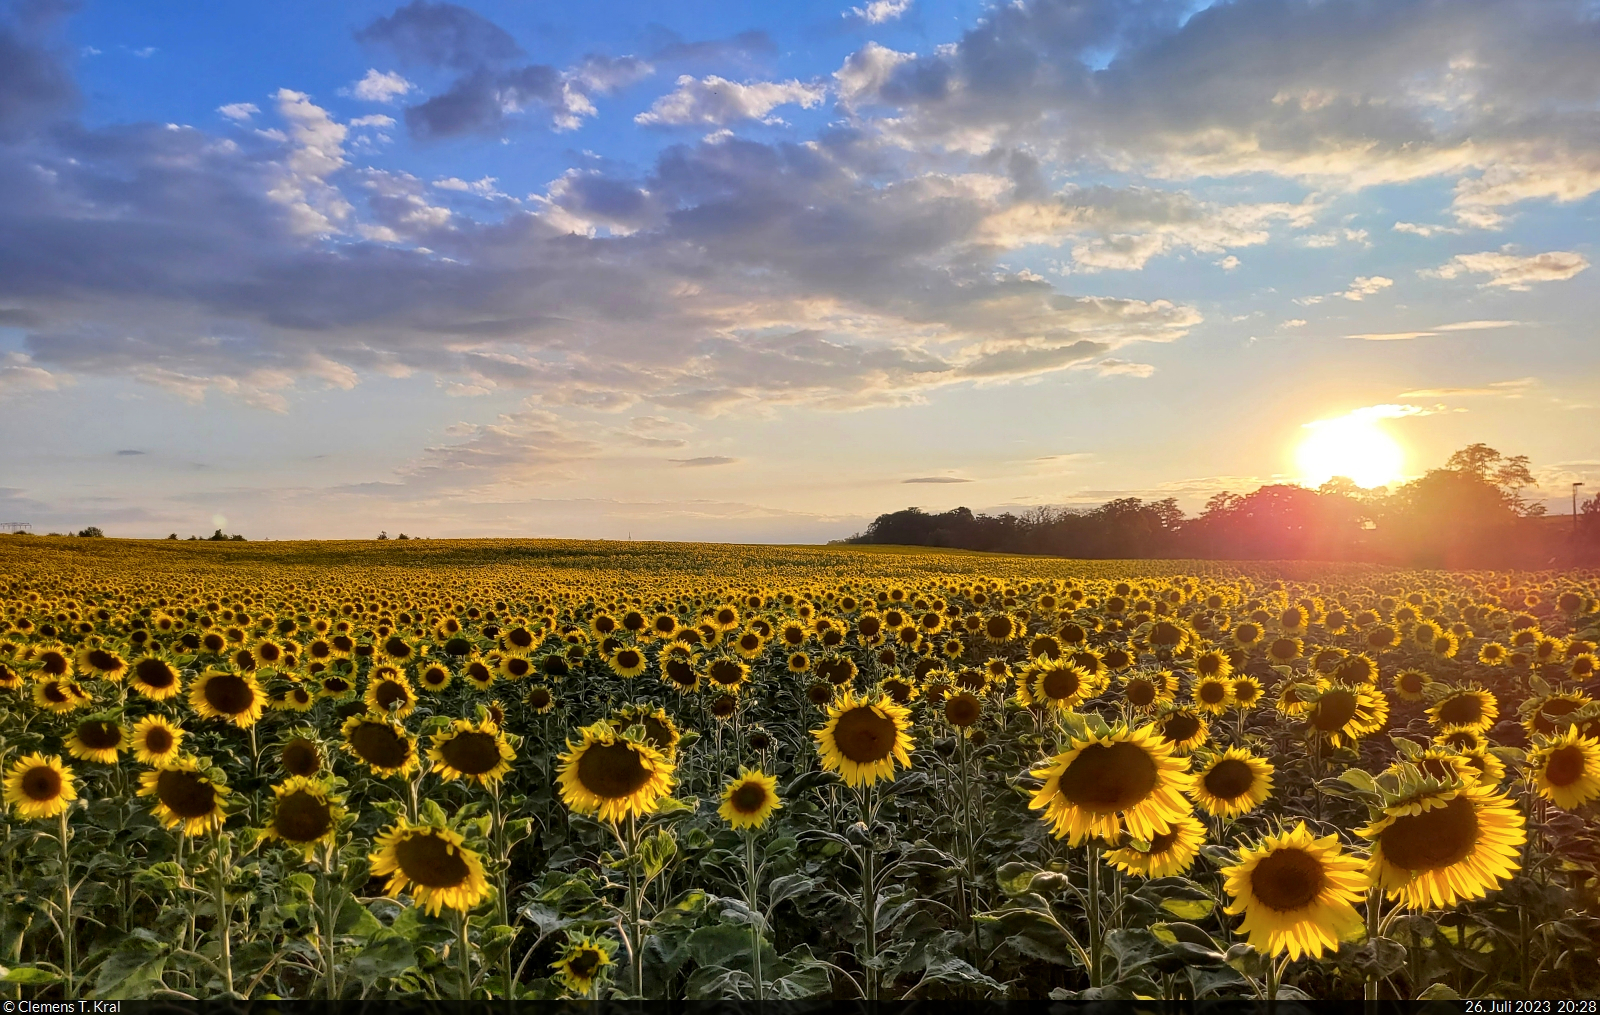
503	902
869	894
68	961
754	890
464	946
1374	906
635	904
1096	936
220	880
330	917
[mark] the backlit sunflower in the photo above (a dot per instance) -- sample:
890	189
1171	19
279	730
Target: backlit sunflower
475	752
1346	714
1060	685
863	738
156	740
1466	739
433	863
380	742
1232	783
962	709
1549	714
1247	633
97	740
59	694
1247	692
1213	695
185	797
389	693
1284	650
1493	654
101	663
305	813
1435	849
612	777
1183	728
1128	779
1566	769
584	962
749	799
1297	893
1166	854
224	694
39	787
1409	685
1466	706
1145	690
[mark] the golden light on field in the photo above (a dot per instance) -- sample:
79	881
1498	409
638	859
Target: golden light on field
1354	445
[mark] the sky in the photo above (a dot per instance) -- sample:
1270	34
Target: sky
760	272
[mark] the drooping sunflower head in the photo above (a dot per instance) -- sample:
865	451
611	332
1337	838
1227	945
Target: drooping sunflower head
1466	706
660	731
1438	846
1184	728
300	755
962	709
433	864
229	695
1550	714
1345	714
863	738
187	797
389	693
38	787
381	743
1566	769
1102	784
97	740
611	776
1166	854
584	962
1297	893
474	752
156	740
749	799
59	694
305	813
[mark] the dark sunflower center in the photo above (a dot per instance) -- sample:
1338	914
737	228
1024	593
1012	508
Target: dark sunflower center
1565	765
229	694
518	666
539	697
726	671
302	817
583	965
748	797
1209	665
471	753
1411	683
431	861
335	685
186	794
724	706
612	771
396	648
390	693
1463	710
1163	842
54	692
865	736
1180	728
628	659
1213	692
819	693
1434	839
479	672
1334	709
154	673
157	740
435	676
1287	880
53	663
962	709
1229	779
656	733
1106	778
41	783
680	672
1141	693
103	661
300	757
378	744
99	736
1060	684
998	627
899	691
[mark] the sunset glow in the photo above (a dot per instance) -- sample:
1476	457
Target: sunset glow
1355	446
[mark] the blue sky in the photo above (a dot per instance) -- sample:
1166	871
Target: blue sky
758	273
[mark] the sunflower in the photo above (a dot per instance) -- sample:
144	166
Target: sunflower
186	798
1409	685
1061	685
610	776
305	813
660	731
389	693
39	787
1213	695
540	699
749	800
1466	739
863	738
1166	854
723	706
479	673
435	677
1247	633
381	742
300	755
1466	706
1297	893
1493	654
1566	769
1102	784
10	679
1213	663
435	863
1549	715
97	740
59	694
627	661
727	673
51	660
336	687
1247	692
474	752
1435	849
584	961
1346	714
516	666
1183	728
156	740
962	709
1284	650
224	694
1232	783
297	698
1145	691
94	661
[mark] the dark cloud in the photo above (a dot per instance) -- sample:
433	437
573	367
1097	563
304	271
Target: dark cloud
704	461
665	45
936	479
128	451
441	35
35	85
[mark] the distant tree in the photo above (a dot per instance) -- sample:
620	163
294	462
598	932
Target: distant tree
217	536
193	538
384	534
172	535
402	536
237	538
92	532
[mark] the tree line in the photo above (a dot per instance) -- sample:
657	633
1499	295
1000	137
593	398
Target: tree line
1471	512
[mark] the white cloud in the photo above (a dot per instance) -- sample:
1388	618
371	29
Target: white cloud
1363	286
316	207
1494	389
1426	230
1392	336
866	71
1294	322
1476	325
18	374
1334	237
379	86
240	111
1228	263
878	11
374	120
1507	269
715	101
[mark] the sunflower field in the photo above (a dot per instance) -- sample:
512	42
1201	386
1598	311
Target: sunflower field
540	770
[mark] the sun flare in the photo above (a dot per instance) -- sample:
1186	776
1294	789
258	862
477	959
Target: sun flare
1355	446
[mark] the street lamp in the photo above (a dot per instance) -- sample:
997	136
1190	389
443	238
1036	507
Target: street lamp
1575	509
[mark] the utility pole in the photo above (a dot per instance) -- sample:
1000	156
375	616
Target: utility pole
1575	509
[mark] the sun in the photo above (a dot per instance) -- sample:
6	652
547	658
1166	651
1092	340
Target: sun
1355	446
